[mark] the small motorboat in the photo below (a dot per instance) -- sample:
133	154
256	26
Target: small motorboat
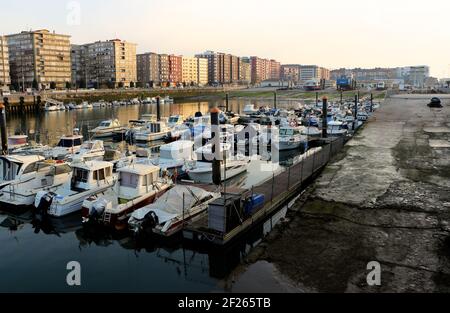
106	128
250	109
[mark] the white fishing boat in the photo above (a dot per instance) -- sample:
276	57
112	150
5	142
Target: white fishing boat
17	141
336	128
175	155
152	131
138	185
171	211
47	176
69	144
200	171
250	109
289	138
106	128
89	151
17	167
54	105
88	178
86	105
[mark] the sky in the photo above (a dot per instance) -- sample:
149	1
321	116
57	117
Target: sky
329	33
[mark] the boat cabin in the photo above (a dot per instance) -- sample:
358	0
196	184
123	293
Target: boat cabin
175	120
18	166
136	180
70	141
92	174
177	150
17	141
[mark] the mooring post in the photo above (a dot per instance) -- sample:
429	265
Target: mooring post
355	122
275	100
226	103
317	99
158	108
217	156
371	102
324	117
3	135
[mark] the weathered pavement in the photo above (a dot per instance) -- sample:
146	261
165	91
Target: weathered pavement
386	199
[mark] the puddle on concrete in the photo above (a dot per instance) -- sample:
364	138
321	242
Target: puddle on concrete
435	143
436	130
263	277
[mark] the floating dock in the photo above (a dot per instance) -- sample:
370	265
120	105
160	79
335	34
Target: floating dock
277	192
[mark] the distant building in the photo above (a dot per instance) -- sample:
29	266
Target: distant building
79	66
222	68
245	72
264	69
175	69
148	72
313	72
4	64
190	71
415	76
41	57
164	69
290	73
202	72
109	63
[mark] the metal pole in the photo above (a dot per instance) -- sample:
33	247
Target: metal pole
215	132
355	122
4	135
324	117
371	102
275	100
317	98
226	103
273	183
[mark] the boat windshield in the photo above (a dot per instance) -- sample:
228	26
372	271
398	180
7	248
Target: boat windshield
80	175
9	170
286	132
105	124
173	119
68	143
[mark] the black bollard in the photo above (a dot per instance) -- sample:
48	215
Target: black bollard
325	117
275	100
215	133
371	102
158	108
317	98
226	103
3	134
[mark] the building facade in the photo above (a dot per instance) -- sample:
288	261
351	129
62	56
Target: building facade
203	78
245	73
313	72
39	59
190	71
4	64
102	64
290	73
222	68
175	69
264	69
164	69
148	69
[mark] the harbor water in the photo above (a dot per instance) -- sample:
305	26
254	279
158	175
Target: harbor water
35	253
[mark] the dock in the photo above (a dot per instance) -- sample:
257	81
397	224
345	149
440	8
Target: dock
277	192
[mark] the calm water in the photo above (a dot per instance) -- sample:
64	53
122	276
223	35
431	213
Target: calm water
34	254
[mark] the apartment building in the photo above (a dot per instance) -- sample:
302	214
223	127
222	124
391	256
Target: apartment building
175	69
4	64
148	69
39	58
264	69
222	68
290	73
164	69
190	70
202	72
101	64
245	72
313	72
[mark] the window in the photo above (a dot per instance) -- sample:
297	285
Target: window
63	169
81	175
30	168
108	172
129	180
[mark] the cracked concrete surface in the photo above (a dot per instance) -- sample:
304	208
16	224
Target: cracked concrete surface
386	200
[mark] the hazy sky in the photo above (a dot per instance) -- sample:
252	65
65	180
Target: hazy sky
332	33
